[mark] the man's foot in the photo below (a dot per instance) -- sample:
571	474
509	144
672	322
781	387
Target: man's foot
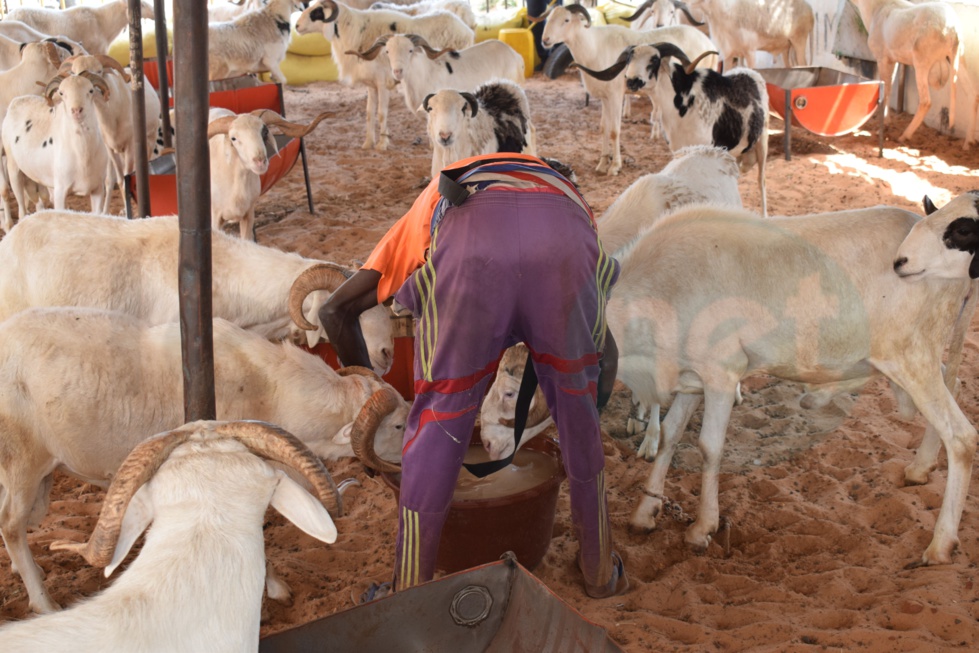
617	584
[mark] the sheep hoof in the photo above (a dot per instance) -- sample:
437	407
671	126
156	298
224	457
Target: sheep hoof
635	426
914	476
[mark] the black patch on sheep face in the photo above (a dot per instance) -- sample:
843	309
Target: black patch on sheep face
318	15
44	143
962	234
393	27
509	122
728	128
682	82
336	30
27	126
454	54
448	67
283	26
17	139
634	83
652	68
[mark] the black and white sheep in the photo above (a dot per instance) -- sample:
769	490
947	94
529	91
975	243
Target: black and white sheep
493	118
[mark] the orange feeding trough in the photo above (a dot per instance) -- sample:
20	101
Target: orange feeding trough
240	95
823	101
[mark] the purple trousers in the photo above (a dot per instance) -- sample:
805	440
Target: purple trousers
505	267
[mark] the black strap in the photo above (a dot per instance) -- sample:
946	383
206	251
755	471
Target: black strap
526	393
456	193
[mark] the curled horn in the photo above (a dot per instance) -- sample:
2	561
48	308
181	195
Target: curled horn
263	439
291	129
547	12
109	62
358	370
371	53
639	11
50	89
581	11
97	82
682	6
334	10
420	42
219	126
473	102
538	412
612	71
321	276
671	50
138	468
693	64
425	102
381	403
51	52
276	444
65	68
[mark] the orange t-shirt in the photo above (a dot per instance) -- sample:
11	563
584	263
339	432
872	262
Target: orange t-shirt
402	249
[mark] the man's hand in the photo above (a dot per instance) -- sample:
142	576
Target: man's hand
340	317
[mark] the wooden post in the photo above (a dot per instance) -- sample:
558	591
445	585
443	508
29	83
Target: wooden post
194	207
160	13
139	111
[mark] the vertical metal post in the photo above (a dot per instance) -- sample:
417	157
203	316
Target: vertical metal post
139	111
787	137
160	13
194	207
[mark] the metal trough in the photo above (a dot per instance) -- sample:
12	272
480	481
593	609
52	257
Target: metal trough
240	95
495	608
823	101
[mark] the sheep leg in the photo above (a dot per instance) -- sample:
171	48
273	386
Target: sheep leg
717	413
371	117
651	438
959	437
276	72
614	126
651	503
277	589
970	134
924	98
60	198
885	69
246	226
16	181
761	154
15	512
383	102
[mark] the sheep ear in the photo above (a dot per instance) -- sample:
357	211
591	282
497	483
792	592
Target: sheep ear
343	435
139	515
298	506
929	206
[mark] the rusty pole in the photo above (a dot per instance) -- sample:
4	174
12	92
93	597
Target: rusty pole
160	13
194	207
139	110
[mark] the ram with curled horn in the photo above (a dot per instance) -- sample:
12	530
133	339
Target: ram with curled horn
239	146
370	54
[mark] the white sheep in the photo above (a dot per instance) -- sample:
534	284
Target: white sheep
741	27
421	69
254	42
96	383
700	106
11	51
94	27
696	175
196	584
811	299
16	33
495	117
925	36
239	147
225	11
56	142
597	47
461	8
352	30
258	288
943	245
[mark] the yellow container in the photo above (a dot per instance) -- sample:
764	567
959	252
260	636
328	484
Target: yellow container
521	40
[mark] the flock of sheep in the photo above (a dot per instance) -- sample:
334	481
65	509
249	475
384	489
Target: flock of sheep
708	294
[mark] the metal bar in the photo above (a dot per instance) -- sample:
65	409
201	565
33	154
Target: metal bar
302	152
194	208
139	111
787	138
902	82
160	14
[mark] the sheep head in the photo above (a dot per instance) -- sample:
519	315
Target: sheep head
262	439
563	22
74	91
944	244
447	112
382	416
249	136
322	276
316	12
42	52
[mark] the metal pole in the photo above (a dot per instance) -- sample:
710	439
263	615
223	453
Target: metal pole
194	207
160	13
139	111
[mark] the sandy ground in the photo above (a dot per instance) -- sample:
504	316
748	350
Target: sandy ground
821	524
